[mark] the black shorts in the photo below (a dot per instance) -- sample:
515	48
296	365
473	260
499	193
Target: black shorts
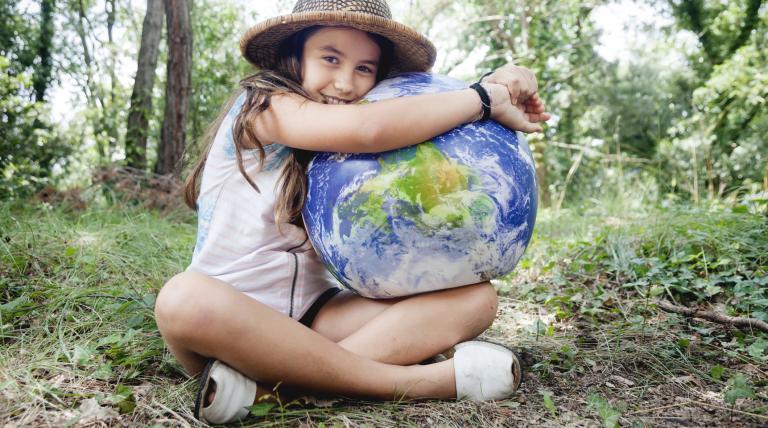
311	313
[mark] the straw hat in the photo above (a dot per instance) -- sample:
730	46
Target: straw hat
412	51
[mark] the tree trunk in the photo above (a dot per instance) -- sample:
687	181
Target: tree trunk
141	98
177	91
43	71
90	89
109	114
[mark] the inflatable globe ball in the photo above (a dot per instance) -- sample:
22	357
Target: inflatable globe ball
456	210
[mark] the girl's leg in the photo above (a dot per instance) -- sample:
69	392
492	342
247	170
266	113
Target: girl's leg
202	318
407	330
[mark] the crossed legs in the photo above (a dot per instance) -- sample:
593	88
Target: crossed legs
202	318
407	330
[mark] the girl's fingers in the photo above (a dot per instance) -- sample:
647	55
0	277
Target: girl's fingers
531	110
514	93
533	82
538	117
534	99
534	107
531	127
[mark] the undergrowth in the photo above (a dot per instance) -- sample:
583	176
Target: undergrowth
690	257
597	278
77	290
80	345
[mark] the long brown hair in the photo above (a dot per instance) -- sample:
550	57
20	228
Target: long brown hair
259	88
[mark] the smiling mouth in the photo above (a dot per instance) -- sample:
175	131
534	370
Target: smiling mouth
333	100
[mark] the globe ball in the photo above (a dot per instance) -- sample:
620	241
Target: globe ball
455	210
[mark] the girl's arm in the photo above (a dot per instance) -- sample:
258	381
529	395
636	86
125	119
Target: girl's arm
384	125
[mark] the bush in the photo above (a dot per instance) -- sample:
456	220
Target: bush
29	146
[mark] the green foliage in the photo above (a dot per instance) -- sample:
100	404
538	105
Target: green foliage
261	409
738	388
217	64
721	27
91	62
556	40
692	130
16	31
608	414
29	146
717	372
546	397
711	259
720	148
722	256
123	399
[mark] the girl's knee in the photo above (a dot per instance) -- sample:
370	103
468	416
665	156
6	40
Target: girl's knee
483	303
179	304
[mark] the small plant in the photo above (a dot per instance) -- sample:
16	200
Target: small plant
607	414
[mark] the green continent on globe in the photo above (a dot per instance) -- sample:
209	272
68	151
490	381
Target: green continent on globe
422	185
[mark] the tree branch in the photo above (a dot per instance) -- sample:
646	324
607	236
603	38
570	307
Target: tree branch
751	18
692	16
713	316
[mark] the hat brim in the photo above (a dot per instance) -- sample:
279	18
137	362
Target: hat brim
412	51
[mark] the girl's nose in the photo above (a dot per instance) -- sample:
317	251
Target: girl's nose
343	83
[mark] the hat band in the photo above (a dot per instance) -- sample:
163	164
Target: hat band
375	8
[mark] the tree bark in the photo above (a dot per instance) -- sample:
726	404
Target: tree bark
90	89
178	86
109	116
43	71
141	98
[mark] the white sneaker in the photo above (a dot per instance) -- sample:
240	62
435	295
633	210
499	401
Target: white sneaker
234	394
485	371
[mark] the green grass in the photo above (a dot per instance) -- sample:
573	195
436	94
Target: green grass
77	330
77	291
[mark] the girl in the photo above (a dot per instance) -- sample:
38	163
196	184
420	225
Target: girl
255	304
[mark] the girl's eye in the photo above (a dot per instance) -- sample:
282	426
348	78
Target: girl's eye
331	59
365	69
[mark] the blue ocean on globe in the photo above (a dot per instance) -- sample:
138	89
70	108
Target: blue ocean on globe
455	210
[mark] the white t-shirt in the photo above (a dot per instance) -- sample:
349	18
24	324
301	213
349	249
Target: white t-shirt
238	240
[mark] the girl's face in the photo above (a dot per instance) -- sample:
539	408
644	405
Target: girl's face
339	64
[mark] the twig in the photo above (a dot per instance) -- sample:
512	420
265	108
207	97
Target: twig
714	316
179	418
728	409
700	403
653	409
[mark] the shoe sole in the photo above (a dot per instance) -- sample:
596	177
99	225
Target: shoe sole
205	381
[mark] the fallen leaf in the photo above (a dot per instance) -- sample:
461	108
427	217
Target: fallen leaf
622	380
682	379
91	411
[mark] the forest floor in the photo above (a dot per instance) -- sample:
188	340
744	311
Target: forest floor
80	346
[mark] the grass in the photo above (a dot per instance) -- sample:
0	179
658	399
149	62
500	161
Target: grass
80	346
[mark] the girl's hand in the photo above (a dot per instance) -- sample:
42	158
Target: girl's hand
519	81
523	116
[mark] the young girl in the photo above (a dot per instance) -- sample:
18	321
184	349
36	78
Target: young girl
256	308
